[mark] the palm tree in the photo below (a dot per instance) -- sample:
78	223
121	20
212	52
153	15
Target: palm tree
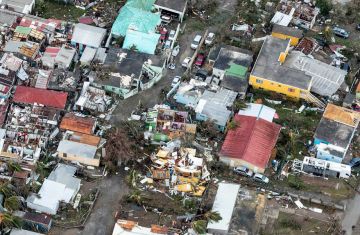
14	166
132	177
137	197
12	203
6	190
10	221
238	105
212	216
199	226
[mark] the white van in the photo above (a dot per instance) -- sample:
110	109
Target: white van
195	43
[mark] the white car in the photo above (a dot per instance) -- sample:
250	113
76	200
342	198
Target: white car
195	43
244	171
186	62
261	178
166	19
172	35
209	39
175	81
175	51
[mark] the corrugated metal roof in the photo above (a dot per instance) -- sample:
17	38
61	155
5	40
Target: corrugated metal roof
75	123
77	149
342	115
30	95
259	111
88	35
252	142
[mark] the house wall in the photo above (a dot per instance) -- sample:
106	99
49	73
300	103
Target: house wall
262	83
293	40
234	162
80	159
42	208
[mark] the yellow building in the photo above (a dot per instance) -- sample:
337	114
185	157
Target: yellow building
270	73
284	32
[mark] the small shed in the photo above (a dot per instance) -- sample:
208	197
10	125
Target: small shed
87	35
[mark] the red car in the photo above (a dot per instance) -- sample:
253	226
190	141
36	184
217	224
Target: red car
200	59
163	34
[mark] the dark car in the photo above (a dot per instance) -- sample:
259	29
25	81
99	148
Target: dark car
358	27
200	59
201	74
354	162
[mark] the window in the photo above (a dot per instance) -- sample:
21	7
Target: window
259	81
291	90
279	85
65	155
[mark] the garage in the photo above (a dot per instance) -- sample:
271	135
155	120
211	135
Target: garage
175	9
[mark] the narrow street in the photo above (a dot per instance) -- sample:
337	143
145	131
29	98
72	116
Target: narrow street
352	216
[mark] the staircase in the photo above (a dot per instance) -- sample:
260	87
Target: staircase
312	99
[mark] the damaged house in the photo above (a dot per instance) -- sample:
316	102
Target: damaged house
214	106
131	72
335	132
93	99
28	129
167	124
299	13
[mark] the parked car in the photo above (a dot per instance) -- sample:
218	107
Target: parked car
261	178
163	34
244	171
172	35
201	74
355	162
358	27
175	51
166	19
167	44
186	62
209	39
341	32
200	59
175	81
195	43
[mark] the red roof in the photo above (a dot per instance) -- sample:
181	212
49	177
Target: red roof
30	95
252	142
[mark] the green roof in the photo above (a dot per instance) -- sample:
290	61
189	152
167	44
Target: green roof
146	5
144	42
236	70
23	30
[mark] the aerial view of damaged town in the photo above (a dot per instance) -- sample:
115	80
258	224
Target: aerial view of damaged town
179	117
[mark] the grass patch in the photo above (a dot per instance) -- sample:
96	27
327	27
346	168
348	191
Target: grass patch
58	10
288	224
295	182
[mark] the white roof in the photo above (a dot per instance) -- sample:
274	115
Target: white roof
282	19
65	56
51	193
88	55
259	111
224	204
78	149
88	35
23	232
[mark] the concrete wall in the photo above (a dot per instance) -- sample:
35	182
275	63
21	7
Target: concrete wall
80	159
234	162
262	83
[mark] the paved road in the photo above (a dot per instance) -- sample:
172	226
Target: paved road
101	221
352	216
